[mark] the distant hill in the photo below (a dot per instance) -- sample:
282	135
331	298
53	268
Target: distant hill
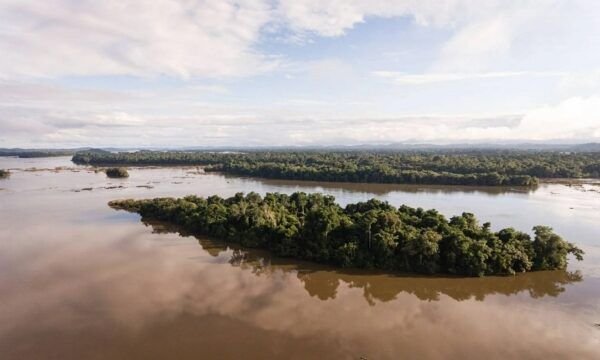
588	147
591	147
420	147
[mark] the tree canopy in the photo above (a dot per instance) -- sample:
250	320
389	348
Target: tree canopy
117	172
486	168
371	234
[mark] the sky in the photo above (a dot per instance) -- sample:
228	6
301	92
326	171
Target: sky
179	73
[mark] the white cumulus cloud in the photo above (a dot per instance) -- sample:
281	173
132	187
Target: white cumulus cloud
572	118
328	97
133	37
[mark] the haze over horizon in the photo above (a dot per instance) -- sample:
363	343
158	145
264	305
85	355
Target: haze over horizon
297	72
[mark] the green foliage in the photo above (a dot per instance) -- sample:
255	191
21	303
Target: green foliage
29	153
486	168
4	174
119	172
550	250
371	234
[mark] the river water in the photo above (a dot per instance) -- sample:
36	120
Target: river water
79	280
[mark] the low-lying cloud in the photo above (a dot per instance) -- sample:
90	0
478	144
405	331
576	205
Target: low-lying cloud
251	127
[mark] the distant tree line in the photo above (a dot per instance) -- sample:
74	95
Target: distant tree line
488	168
36	153
4	174
375	173
370	234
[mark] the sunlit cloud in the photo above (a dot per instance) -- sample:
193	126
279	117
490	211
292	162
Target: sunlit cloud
259	72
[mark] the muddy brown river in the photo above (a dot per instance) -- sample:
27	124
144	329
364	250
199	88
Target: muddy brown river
79	280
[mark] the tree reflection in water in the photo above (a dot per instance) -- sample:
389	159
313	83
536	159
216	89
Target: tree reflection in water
322	281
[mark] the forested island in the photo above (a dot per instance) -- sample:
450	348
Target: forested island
481	168
117	172
370	234
4	174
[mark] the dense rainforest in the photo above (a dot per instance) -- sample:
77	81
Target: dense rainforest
370	234
488	168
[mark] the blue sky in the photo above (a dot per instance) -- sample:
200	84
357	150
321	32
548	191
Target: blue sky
303	72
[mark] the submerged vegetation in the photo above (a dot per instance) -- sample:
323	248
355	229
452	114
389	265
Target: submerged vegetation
119	172
370	234
487	168
4	174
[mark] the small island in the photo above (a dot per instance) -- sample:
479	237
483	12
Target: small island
118	172
371	234
4	174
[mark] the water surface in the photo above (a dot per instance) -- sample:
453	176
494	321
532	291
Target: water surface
80	280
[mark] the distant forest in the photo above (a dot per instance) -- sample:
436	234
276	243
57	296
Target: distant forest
483	167
370	234
31	153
